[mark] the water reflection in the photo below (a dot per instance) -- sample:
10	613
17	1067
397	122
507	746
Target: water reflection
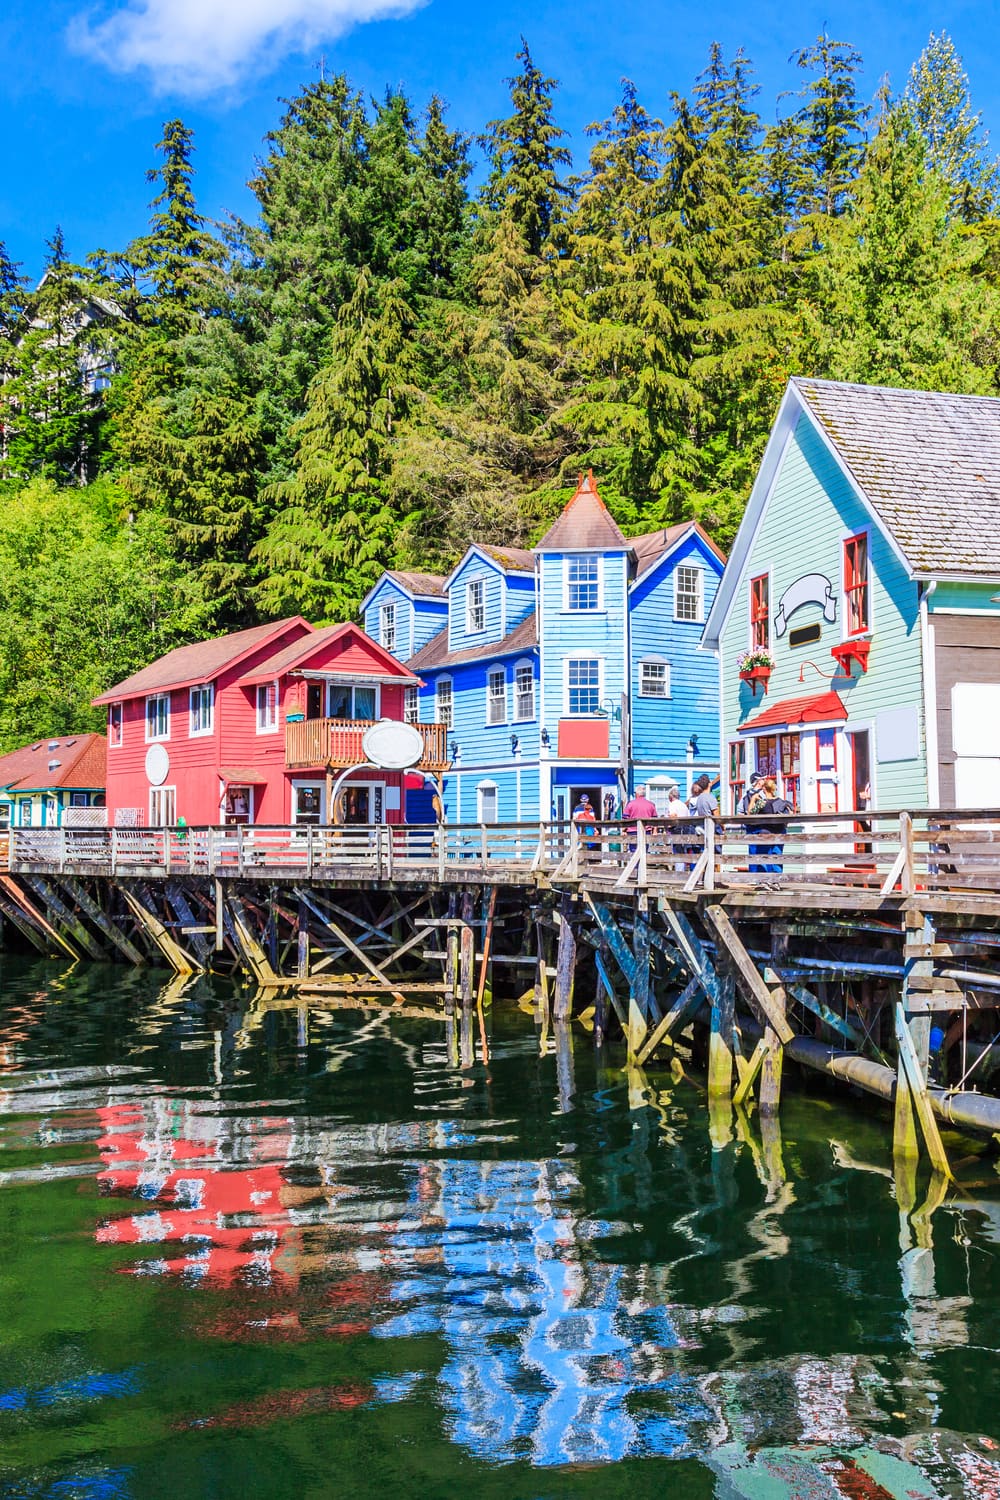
554	1264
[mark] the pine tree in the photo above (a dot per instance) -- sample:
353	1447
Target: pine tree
332	530
831	120
525	157
441	210
937	95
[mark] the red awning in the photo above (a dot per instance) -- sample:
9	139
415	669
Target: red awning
242	776
815	708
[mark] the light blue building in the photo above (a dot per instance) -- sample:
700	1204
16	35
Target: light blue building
572	667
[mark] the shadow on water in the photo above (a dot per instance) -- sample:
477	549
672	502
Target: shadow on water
250	1249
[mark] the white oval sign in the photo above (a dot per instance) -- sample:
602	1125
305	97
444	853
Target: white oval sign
393	746
157	765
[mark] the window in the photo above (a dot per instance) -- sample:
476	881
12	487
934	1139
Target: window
443	702
200	709
24	811
79	799
267	707
411	705
654	679
760	623
582	582
524	691
387	626
583	686
767	755
162	806
737	772
857	617
790	767
346	702
486	799
158	717
116	728
475	606
496	696
689	594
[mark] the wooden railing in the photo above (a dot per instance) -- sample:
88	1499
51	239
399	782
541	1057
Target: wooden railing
882	853
313	743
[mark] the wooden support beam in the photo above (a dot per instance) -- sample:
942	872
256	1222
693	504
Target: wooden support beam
302	941
756	991
101	920
918	1092
918	929
770	1078
177	897
613	937
467	949
720	1040
34	916
487	945
542	1003
383	982
252	954
176	957
565	961
687	1002
693	953
639	993
35	935
60	912
745	1086
824	1013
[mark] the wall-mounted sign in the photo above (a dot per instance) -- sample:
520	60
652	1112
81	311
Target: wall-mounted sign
811	588
157	765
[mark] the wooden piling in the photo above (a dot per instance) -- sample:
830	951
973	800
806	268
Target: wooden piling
720	1041
467	949
565	961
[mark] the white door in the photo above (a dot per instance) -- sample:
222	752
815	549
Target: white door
975	735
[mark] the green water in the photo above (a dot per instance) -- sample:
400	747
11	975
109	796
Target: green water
263	1254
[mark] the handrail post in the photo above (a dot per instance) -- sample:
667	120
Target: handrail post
442	835
114	849
908	883
709	834
483	850
62	848
574	848
239	848
309	850
641	844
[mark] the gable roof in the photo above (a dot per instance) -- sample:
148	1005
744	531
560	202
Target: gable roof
652	546
82	763
297	656
927	462
507	559
436	654
586	524
200	662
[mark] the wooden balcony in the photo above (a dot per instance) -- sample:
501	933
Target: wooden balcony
315	744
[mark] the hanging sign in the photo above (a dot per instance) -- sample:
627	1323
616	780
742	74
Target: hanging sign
811	588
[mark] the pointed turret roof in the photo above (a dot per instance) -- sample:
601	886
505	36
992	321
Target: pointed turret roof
586	525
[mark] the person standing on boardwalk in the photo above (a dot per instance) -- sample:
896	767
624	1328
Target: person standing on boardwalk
638	806
775	806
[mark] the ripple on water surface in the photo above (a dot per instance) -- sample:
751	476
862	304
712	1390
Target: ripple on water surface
257	1252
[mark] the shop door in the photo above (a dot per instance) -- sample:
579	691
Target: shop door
361	804
315	700
307	802
861	790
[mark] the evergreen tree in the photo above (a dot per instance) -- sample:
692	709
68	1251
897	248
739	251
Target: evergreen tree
525	157
442	208
937	95
831	119
332	530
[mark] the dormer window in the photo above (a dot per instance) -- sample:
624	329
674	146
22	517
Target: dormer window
387	626
583	582
857	614
475	606
689	594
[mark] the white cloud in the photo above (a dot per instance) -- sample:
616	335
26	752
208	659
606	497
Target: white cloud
198	46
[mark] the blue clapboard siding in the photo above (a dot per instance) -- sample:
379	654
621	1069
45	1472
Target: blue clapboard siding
811	509
520	598
475	566
417	619
598	634
662	728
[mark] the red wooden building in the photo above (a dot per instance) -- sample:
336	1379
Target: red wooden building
252	727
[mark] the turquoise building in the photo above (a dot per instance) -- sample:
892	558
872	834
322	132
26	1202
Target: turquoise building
573	666
863	583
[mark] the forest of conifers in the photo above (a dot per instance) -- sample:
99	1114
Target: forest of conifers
221	424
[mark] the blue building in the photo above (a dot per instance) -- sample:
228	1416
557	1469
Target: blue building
575	666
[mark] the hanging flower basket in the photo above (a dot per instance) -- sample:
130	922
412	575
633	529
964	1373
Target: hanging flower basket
755	667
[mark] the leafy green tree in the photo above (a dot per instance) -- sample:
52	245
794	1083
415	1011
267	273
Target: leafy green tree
525	157
938	98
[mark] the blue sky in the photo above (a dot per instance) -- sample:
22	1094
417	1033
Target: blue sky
85	85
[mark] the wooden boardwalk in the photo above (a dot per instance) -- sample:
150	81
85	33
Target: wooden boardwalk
867	947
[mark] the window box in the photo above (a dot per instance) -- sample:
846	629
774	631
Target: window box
757	676
755	667
851	650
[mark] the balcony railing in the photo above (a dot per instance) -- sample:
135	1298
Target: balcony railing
316	743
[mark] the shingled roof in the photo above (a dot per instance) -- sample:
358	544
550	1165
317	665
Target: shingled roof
427	585
586	524
298	655
200	662
82	763
652	545
436	653
928	464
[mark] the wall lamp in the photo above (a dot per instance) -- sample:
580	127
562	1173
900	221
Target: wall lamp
545	738
454	749
828	675
514	742
692	746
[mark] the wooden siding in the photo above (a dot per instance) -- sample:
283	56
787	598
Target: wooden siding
966	649
583	633
417	620
662	727
811	510
475	567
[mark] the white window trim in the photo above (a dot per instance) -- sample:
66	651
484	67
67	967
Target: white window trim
487	786
525	665
156	738
567	712
386	612
198	734
472	583
501	670
866	532
699	569
416	703
655	661
161	791
333	684
116	744
438	718
599	606
262	687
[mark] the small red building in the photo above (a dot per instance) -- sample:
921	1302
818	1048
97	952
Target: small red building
252	728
